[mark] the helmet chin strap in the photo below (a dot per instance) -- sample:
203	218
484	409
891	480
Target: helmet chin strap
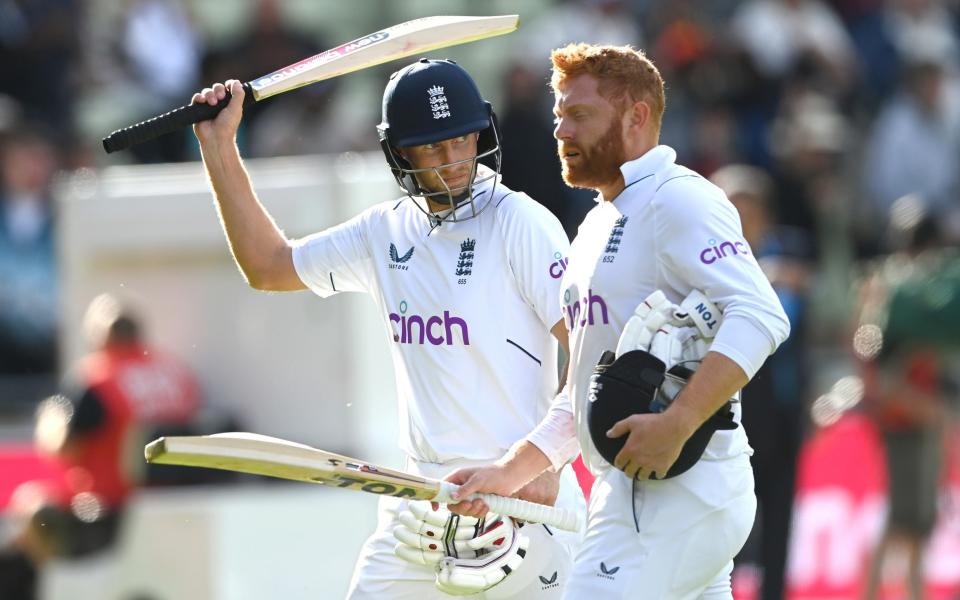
445	201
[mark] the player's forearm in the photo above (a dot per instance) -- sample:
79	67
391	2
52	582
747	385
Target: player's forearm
716	380
258	246
523	463
555	436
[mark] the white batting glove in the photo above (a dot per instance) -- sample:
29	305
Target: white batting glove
677	335
501	548
427	535
649	315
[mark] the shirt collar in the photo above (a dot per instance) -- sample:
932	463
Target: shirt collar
644	166
649	163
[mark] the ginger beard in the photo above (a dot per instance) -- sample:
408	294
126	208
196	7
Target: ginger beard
597	164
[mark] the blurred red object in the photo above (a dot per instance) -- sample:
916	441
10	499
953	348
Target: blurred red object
584	477
20	463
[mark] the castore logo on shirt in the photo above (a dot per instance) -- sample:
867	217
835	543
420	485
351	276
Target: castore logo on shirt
397	260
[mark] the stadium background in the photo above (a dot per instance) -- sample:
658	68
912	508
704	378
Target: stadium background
808	102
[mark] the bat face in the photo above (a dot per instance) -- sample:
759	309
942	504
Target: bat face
314	62
400	41
368	478
273	457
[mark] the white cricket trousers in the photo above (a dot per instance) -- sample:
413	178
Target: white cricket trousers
380	574
682	543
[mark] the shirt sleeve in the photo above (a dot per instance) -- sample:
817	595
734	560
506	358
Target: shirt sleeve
537	249
556	434
337	259
701	246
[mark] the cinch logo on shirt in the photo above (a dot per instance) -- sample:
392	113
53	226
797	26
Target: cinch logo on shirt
580	311
715	252
434	329
559	265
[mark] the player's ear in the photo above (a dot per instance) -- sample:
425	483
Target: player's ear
639	114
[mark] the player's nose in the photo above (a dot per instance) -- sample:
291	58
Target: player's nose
563	130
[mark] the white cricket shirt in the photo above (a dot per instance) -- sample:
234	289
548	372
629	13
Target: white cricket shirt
672	230
467	309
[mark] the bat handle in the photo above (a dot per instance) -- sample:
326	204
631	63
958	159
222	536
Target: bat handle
519	509
177	118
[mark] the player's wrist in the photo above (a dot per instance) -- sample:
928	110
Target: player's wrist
685	418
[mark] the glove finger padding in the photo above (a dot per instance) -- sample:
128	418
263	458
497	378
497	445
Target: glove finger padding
649	315
426	535
501	555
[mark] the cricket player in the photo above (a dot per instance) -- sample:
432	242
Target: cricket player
659	231
465	273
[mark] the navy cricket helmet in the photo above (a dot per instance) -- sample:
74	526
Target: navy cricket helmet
430	101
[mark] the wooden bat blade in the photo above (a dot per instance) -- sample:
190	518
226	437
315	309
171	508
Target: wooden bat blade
273	457
400	41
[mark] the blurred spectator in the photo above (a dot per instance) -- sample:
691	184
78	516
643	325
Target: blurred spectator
160	50
310	121
566	21
28	271
773	401
530	160
38	49
901	338
706	78
307	122
118	396
869	28
923	26
809	137
914	146
781	35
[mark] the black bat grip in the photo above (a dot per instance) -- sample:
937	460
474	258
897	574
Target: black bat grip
177	118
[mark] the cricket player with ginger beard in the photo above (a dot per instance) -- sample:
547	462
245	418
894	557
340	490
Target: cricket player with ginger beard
465	273
651	534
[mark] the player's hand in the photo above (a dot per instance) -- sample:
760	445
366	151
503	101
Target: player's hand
224	127
654	441
542	490
491	479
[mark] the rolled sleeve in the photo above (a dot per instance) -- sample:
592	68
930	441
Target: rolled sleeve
556	434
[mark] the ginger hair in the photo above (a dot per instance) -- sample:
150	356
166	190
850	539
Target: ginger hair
624	75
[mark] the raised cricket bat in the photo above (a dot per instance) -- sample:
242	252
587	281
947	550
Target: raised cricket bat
274	457
400	41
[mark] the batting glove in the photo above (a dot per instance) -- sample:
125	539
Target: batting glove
500	550
426	535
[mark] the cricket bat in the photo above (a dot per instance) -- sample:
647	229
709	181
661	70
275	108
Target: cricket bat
274	457
400	41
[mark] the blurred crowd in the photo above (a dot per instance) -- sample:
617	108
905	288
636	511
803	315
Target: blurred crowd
833	126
